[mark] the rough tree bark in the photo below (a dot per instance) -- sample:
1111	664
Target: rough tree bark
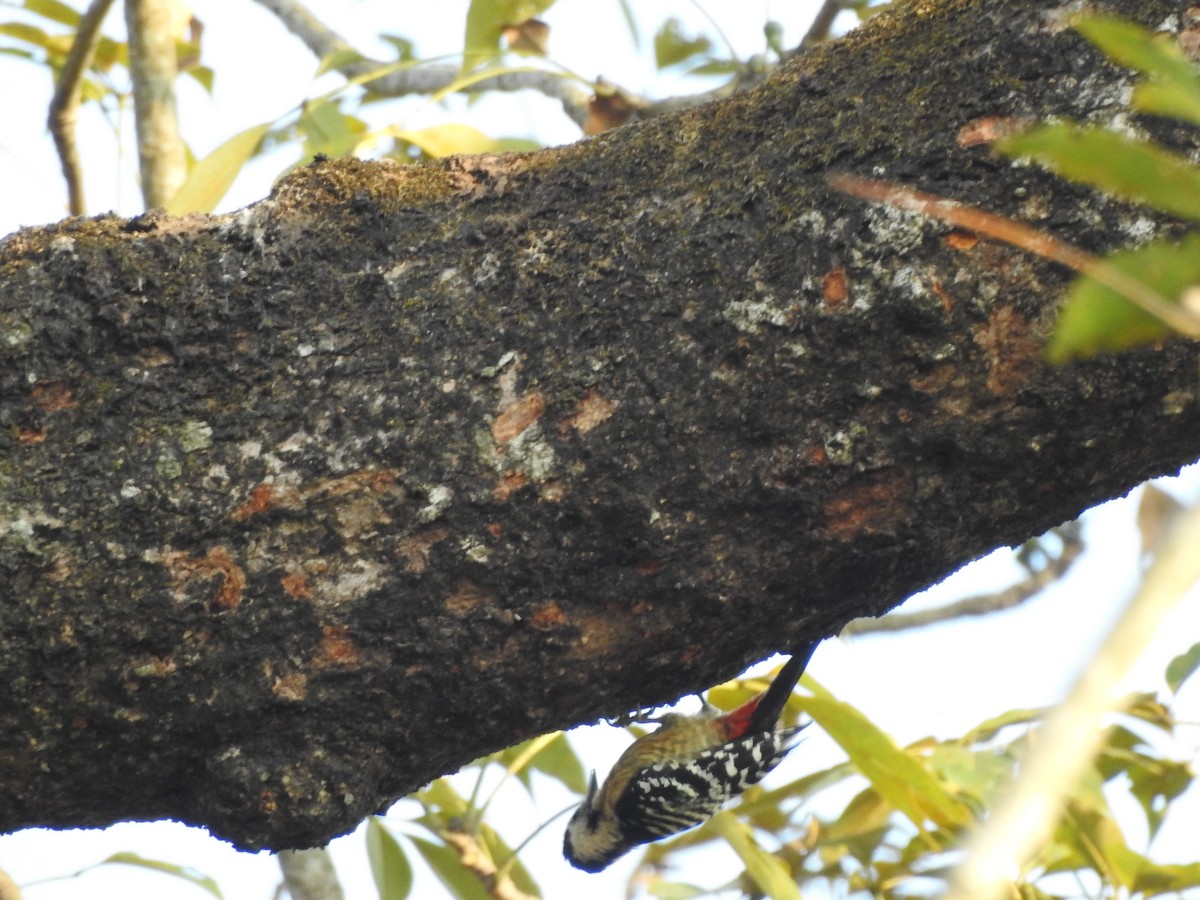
303	506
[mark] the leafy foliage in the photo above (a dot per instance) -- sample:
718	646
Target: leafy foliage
1096	317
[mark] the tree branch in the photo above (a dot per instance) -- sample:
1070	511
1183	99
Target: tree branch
162	160
308	504
64	106
1052	569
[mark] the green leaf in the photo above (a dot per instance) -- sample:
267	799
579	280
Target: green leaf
899	776
1175	86
989	728
445	140
1183	667
211	178
1095	319
866	815
1154	879
328	130
332	62
502	853
766	870
448	868
1125	167
662	889
203	76
54	11
190	875
672	46
485	23
559	760
389	864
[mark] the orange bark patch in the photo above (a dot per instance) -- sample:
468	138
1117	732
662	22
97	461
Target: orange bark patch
961	240
261	499
591	412
290	687
835	288
31	436
53	396
866	506
186	569
415	548
296	585
336	648
1012	355
649	567
509	484
987	130
465	599
549	615
518	416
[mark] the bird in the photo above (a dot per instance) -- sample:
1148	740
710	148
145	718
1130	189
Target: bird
680	775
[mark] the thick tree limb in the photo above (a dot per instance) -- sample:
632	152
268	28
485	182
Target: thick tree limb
306	505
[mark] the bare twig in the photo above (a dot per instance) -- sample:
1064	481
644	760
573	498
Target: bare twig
8	887
819	29
309	874
64	106
426	80
475	858
980	604
1066	743
1030	239
152	69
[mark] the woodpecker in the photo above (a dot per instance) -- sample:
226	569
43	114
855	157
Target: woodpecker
680	775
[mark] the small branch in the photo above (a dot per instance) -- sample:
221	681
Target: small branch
980	604
430	79
309	874
1029	239
475	859
152	68
64	106
8	887
1066	743
821	25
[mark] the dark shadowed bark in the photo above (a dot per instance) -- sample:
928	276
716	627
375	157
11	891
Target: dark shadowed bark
304	506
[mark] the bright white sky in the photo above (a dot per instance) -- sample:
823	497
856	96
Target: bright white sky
940	681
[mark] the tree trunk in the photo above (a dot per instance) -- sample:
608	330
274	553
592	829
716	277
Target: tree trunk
306	505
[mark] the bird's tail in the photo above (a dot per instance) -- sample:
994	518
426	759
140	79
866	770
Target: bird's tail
763	712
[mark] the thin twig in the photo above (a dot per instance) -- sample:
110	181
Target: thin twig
64	106
162	158
309	874
426	80
1066	743
980	604
1012	232
819	30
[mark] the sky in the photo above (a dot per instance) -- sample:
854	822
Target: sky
940	681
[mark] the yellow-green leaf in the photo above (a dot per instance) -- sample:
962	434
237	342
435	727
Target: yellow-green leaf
211	178
1126	167
899	776
672	46
389	865
766	870
446	140
1175	87
186	873
1095	319
1183	667
486	20
54	11
448	868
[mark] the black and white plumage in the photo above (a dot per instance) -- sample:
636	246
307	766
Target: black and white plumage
680	775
